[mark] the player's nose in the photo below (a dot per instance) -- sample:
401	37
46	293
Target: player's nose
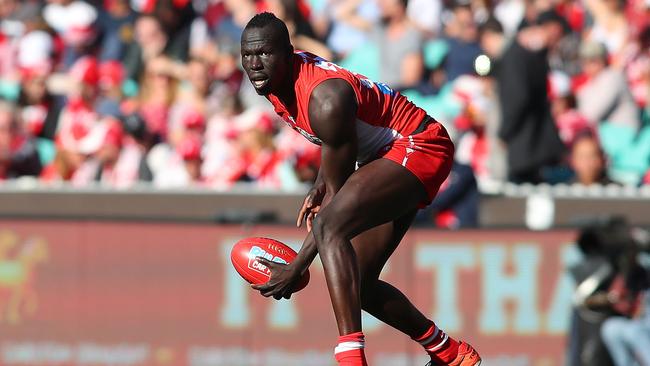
256	63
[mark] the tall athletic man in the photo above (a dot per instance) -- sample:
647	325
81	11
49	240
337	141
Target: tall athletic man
355	217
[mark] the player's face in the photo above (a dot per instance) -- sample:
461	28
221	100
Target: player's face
265	59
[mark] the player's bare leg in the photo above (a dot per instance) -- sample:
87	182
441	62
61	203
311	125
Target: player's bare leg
390	305
380	192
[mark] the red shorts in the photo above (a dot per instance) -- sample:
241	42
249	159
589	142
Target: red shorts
428	155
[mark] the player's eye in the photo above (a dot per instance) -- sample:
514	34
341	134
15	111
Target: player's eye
264	53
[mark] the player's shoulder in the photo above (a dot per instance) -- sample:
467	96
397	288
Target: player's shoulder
332	91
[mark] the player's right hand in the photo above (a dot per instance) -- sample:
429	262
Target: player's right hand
311	205
282	282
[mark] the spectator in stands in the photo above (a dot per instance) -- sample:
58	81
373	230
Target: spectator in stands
176	166
638	70
570	122
301	32
588	161
261	161
222	166
140	141
610	28
78	117
111	79
115	22
157	93
22	45
349	23
527	127
149	79
189	150
175	17
18	155
189	107
39	110
456	205
75	22
103	148
425	15
476	146
151	41
400	46
563	43
229	27
462	40
295	149
605	96
195	86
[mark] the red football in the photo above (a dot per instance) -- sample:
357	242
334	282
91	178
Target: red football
245	251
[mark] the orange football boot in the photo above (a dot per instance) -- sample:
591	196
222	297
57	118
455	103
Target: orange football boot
467	356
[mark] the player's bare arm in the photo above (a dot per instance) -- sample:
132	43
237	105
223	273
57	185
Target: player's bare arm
332	109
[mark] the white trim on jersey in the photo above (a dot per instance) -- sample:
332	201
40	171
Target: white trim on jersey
371	139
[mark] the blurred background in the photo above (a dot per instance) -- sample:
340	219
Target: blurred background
134	153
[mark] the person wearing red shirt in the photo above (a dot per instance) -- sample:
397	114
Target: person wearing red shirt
355	217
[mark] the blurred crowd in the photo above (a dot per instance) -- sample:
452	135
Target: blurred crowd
123	91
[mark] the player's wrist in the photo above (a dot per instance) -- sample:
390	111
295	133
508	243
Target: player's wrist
297	267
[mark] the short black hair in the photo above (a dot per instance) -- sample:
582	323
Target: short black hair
491	25
552	16
267	19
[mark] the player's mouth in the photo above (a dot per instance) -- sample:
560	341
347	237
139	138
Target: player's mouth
260	83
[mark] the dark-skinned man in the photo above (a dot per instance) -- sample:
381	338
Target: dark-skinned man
355	217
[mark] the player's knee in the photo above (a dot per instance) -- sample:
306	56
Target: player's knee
339	221
328	227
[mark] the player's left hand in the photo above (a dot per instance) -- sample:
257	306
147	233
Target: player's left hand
282	281
311	205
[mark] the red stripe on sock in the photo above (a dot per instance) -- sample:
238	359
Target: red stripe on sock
352	337
426	334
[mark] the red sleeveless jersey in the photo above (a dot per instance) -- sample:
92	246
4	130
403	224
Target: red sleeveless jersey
383	115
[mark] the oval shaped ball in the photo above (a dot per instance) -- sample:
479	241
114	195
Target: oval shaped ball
245	251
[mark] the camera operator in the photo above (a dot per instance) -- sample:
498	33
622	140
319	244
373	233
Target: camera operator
627	335
611	285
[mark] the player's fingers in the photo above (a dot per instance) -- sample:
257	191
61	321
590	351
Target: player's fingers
310	221
261	287
277	296
271	292
265	262
311	217
301	214
303	210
